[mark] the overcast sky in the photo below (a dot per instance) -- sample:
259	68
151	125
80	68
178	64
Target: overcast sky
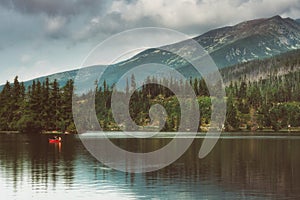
40	37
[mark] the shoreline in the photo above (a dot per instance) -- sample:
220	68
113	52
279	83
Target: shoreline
10	132
267	131
44	132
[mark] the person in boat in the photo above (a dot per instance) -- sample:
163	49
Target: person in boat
57	138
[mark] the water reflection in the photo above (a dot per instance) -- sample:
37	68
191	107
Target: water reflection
237	168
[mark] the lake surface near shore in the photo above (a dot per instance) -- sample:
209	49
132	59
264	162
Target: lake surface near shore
239	167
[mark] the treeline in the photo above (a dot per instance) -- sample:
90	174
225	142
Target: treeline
263	94
271	102
43	106
149	94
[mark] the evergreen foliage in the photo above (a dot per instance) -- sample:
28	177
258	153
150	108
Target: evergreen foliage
270	101
42	107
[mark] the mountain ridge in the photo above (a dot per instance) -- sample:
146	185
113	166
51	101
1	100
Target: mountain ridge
230	45
276	35
272	35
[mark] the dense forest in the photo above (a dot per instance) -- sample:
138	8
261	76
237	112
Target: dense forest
262	69
41	107
268	102
272	103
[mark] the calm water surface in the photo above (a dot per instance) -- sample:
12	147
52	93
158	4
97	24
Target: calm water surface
248	168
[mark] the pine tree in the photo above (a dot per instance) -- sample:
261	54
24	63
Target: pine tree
66	104
55	102
5	102
133	83
232	122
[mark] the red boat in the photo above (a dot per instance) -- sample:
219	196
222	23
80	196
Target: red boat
55	140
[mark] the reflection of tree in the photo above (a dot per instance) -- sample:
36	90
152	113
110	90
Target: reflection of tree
267	166
31	156
263	166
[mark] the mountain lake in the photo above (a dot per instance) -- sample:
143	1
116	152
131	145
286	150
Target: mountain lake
238	167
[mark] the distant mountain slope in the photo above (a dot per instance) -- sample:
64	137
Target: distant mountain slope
250	40
298	20
63	77
255	70
246	41
255	39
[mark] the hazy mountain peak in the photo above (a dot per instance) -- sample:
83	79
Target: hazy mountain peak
276	17
252	39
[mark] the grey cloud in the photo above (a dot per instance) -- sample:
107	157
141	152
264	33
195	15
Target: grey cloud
203	16
114	23
55	7
73	19
197	16
18	29
111	24
56	27
60	18
100	25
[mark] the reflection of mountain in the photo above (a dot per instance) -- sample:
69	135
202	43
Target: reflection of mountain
255	39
